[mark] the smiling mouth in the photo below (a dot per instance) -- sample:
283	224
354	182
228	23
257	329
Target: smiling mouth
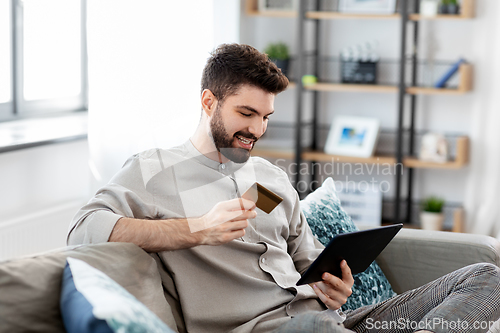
244	142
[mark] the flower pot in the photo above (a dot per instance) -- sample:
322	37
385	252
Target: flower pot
282	64
431	221
453	9
428	7
443	9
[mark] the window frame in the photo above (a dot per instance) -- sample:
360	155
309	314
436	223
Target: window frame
7	108
19	108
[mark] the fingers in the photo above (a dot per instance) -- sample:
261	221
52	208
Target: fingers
331	301
346	273
248	214
232	226
238	204
232	210
333	291
224	219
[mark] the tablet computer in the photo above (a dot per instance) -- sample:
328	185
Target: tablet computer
358	248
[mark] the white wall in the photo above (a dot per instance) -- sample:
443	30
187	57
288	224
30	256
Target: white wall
38	178
147	95
43	185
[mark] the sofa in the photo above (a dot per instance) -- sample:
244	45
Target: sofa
30	286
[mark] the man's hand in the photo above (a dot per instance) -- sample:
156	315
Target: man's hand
332	291
225	222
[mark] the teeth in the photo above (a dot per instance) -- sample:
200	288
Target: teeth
245	141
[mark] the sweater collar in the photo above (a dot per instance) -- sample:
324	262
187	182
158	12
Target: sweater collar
226	168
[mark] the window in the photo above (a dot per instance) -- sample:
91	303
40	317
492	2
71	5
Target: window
44	67
5	63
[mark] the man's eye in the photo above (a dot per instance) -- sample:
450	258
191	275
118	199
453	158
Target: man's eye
246	114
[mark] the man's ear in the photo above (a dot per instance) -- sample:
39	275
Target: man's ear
208	102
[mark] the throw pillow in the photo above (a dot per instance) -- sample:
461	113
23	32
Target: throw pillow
327	218
93	302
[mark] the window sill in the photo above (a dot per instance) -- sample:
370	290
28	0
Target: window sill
29	133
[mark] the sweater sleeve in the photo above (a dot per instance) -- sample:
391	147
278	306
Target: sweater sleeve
124	196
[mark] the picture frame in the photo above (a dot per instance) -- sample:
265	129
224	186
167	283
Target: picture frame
277	5
433	148
352	136
367	6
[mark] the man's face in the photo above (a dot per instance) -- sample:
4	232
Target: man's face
240	121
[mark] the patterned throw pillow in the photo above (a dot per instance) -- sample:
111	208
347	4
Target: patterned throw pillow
327	218
93	302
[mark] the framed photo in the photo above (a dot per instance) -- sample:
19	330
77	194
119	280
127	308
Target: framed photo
434	148
352	136
368	6
278	5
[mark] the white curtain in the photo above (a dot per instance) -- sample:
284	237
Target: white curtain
483	186
145	63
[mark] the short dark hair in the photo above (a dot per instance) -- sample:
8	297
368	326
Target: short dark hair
232	65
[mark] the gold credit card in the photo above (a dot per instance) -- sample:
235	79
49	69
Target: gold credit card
264	199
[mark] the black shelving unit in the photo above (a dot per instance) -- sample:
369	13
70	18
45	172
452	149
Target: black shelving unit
310	62
402	91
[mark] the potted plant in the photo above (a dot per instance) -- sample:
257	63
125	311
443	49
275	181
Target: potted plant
449	7
429	7
431	216
278	53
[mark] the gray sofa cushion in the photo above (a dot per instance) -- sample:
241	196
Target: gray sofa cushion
30	287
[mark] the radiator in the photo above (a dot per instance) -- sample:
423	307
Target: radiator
36	232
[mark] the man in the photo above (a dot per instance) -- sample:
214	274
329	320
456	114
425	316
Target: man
234	267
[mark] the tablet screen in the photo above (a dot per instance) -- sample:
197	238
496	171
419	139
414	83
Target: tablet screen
359	249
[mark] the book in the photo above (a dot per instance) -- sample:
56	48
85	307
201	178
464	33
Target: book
447	76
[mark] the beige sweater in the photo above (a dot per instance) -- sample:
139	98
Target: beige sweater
246	285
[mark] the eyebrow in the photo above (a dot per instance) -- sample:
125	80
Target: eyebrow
251	109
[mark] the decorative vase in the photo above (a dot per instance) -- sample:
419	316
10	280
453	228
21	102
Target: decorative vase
431	221
453	9
428	7
282	64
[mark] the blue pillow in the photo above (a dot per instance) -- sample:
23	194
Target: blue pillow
93	302
325	216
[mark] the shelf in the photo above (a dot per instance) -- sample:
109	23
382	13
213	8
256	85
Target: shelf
273	153
324	15
323	157
273	13
418	17
320	156
464	85
351	87
458	222
466	12
251	9
461	159
434	91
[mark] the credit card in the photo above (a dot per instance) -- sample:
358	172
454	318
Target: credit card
264	199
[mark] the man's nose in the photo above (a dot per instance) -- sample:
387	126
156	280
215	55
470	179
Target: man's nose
258	127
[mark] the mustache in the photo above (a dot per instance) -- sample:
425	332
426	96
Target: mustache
246	135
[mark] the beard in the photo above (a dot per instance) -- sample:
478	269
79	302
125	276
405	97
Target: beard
224	142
